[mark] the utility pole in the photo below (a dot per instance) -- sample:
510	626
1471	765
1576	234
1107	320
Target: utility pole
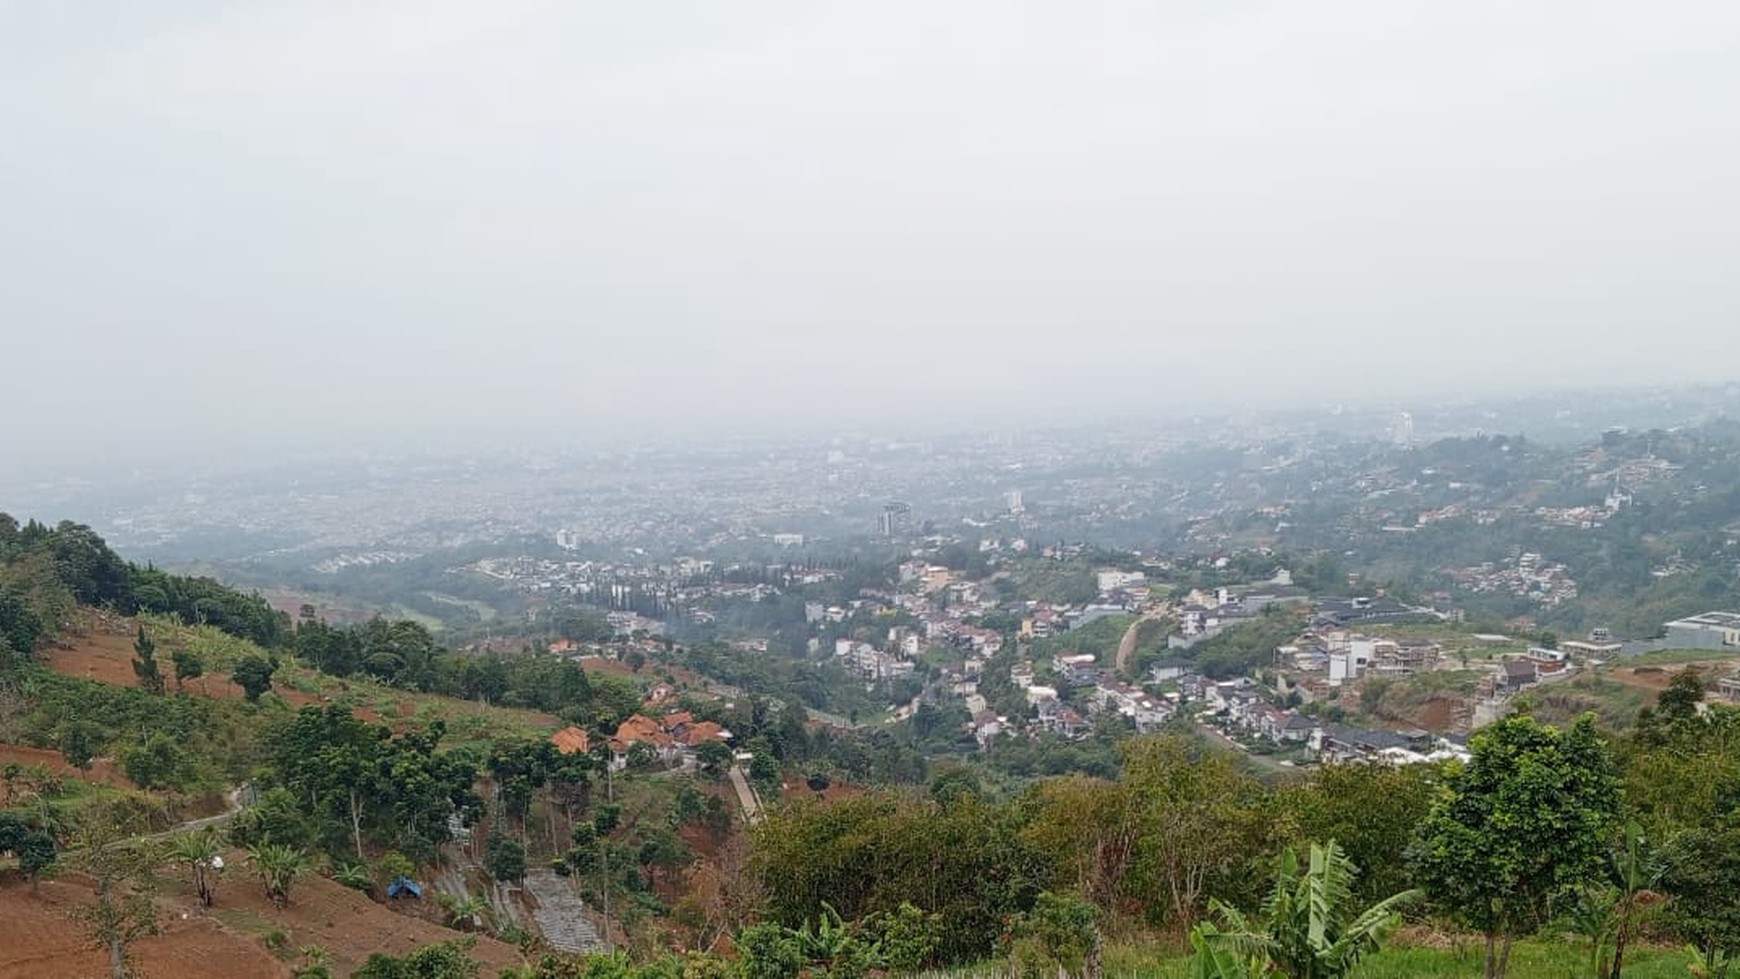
604	865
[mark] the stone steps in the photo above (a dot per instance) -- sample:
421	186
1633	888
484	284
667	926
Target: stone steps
560	914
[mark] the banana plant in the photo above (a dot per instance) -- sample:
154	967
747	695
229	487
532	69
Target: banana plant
1307	927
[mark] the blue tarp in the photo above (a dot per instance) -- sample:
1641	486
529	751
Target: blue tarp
404	885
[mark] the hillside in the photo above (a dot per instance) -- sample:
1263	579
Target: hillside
328	755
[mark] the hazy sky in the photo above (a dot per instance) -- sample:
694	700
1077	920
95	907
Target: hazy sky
349	217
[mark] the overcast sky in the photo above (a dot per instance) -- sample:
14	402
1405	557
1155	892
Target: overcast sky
333	218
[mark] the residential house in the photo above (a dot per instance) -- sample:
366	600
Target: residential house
669	737
1145	710
1059	718
1037	694
571	740
1344	742
1076	669
1168	669
985	726
1283	726
1512	675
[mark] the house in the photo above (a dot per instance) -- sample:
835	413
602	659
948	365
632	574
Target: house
1541	654
1059	718
1513	675
1344	742
1147	712
669	737
640	729
986	726
571	740
1076	669
1284	726
1170	668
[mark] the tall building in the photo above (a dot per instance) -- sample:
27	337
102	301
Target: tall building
1402	429
1013	499
895	519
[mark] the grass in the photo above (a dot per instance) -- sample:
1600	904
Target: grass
485	611
1670	657
1529	959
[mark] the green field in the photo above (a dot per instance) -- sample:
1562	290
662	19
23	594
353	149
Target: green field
485	612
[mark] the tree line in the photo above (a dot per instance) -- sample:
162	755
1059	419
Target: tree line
1558	830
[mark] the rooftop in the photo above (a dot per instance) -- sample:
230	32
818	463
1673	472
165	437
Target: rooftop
1710	620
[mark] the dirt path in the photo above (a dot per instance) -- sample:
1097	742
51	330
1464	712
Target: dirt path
1127	645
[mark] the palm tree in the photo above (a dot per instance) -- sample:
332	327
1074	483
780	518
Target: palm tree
201	852
1307	928
463	913
278	867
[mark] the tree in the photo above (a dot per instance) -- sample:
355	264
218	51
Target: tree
123	866
908	936
442	960
188	665
33	846
1060	936
253	674
1307	928
79	743
145	663
1527	821
505	858
1196	822
1679	702
1633	872
1701	871
278	867
463	913
713	757
1371	811
606	818
201	852
159	763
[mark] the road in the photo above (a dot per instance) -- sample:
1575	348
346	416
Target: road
746	795
1127	645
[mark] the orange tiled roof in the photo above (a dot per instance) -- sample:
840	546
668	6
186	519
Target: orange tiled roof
570	740
703	731
639	727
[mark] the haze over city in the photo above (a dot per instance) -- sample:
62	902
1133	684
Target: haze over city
341	221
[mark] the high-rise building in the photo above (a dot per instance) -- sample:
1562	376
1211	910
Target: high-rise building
895	519
1402	429
1013	500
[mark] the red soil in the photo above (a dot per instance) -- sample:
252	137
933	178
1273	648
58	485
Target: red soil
1657	678
39	938
107	657
103	770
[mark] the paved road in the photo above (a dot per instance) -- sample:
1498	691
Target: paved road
746	795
